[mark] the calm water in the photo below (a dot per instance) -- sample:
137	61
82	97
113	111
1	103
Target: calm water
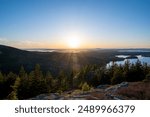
135	50
41	50
141	58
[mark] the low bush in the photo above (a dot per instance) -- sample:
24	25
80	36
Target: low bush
137	91
85	87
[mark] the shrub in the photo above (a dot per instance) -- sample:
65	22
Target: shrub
148	77
85	87
138	90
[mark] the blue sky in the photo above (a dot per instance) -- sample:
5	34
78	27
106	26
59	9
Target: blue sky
96	23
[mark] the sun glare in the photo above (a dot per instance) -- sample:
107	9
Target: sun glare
74	43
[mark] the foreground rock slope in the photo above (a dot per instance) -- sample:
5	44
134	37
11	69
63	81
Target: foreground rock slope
122	91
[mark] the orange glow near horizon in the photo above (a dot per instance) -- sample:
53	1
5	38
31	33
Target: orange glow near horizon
72	42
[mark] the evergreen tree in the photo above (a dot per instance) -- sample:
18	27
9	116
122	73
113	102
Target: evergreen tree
11	77
36	81
104	77
49	81
62	81
146	69
9	81
24	90
14	94
38	73
22	72
70	80
117	77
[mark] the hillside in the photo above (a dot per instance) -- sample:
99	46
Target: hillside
11	59
70	75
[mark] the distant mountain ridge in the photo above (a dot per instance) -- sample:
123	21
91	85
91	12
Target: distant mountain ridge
11	59
9	48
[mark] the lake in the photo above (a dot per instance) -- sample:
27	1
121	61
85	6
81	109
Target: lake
41	50
139	57
134	50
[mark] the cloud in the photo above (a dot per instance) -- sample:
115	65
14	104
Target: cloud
29	44
22	44
3	39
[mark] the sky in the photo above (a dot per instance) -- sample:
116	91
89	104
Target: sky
94	23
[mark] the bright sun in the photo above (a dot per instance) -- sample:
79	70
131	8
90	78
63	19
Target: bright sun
74	43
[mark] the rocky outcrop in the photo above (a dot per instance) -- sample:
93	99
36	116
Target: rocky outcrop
50	96
103	86
102	92
111	91
116	87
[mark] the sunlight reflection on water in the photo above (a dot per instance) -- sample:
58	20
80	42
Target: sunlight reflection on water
142	59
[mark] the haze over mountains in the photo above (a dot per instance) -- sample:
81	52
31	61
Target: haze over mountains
11	59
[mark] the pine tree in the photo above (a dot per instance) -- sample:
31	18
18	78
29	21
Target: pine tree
104	77
37	72
49	81
117	77
37	81
24	90
62	81
22	72
70	80
11	77
9	81
14	94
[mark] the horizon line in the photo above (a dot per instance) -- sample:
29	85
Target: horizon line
77	48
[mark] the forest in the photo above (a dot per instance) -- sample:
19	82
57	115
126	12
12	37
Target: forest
26	85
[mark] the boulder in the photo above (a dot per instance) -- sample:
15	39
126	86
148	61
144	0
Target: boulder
116	87
51	96
103	86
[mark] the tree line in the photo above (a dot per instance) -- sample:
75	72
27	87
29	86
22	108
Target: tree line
95	75
26	85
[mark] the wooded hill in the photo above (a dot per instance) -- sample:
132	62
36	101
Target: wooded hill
26	74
